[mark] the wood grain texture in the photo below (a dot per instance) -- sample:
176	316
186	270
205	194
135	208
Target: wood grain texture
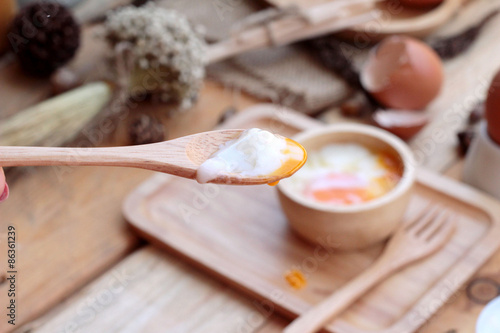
122	301
231	231
65	236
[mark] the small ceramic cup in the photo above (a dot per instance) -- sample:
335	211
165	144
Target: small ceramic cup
482	164
355	226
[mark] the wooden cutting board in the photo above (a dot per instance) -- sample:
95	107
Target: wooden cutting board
240	235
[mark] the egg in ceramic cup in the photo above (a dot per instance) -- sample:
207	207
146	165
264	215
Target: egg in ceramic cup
353	191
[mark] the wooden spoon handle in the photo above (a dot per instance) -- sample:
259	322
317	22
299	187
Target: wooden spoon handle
318	316
328	10
31	156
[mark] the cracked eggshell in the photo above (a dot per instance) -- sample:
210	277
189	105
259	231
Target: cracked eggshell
402	123
492	109
403	73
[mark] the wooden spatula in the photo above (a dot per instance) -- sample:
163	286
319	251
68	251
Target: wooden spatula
180	157
427	234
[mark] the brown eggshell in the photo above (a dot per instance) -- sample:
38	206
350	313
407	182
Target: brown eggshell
492	109
403	73
404	124
420	3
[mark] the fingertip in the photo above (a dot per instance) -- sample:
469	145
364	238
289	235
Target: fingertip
5	193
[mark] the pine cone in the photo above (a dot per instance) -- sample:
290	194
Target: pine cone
44	36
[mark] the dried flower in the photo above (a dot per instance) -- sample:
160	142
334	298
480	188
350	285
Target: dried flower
169	55
146	130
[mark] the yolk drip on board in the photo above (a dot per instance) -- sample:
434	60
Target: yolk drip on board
296	279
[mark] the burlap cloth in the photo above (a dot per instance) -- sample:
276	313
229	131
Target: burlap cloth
288	75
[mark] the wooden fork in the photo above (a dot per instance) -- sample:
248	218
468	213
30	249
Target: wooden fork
414	241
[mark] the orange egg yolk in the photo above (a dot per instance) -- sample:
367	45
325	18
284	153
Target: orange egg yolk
292	164
351	188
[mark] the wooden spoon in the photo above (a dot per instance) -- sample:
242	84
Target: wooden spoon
414	22
290	27
392	17
180	157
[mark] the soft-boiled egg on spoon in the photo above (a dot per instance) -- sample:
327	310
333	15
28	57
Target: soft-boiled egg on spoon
237	157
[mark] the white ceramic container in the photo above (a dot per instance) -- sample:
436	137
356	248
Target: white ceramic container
482	164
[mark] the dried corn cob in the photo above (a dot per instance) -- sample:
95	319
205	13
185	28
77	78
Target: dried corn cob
56	120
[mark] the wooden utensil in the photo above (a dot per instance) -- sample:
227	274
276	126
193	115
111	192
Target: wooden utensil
275	27
415	22
180	157
396	18
414	241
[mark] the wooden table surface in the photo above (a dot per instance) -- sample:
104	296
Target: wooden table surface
81	269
